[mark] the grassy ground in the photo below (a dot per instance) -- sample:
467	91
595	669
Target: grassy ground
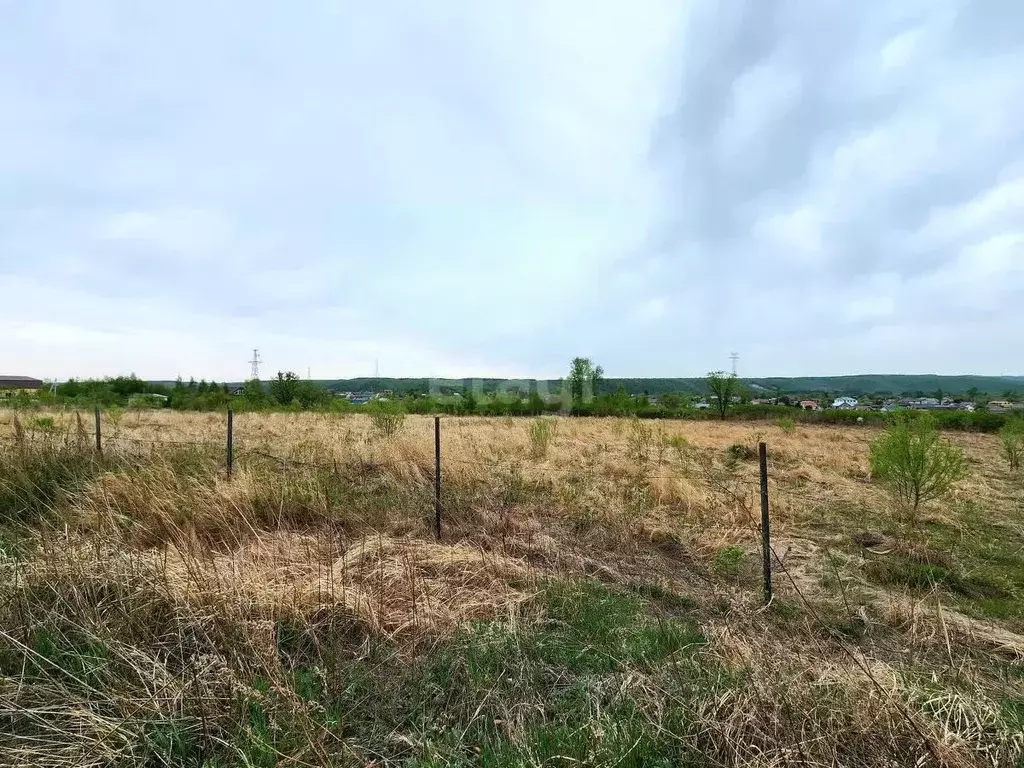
594	601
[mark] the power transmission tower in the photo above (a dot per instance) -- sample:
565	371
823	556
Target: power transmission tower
255	363
735	358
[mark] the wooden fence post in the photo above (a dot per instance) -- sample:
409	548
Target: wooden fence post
99	432
766	536
231	444
437	476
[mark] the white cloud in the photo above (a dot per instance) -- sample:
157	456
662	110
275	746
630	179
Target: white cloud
480	187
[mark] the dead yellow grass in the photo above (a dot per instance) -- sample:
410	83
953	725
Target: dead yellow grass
287	536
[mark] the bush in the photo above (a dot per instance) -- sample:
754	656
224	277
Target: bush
387	418
739	452
542	432
915	463
787	425
1012	436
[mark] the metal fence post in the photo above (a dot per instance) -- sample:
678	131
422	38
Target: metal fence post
231	444
437	476
766	536
99	432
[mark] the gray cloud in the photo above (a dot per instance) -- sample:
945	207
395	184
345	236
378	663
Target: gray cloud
491	189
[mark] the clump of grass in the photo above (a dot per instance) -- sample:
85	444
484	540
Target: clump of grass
682	448
641	438
729	560
18	431
738	452
44	424
661	442
542	432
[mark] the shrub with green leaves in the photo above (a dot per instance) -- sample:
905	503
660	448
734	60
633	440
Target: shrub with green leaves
916	464
1012	436
387	418
787	425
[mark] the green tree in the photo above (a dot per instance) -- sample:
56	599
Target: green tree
253	393
584	378
671	400
536	403
285	387
916	464
722	387
311	395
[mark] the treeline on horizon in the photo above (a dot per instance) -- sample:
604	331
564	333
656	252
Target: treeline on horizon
611	397
813	387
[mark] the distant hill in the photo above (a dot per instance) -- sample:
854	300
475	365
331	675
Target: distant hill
862	384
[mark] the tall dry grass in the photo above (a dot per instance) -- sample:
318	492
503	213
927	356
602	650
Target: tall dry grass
156	612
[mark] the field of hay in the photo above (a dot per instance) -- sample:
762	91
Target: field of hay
595	598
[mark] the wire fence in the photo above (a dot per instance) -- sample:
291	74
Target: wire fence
739	491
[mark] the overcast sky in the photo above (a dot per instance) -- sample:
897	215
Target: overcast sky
491	188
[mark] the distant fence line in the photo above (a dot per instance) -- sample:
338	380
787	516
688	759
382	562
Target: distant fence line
85	440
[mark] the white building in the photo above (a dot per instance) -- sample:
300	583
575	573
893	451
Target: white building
844	402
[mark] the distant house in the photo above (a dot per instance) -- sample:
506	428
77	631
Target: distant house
357	398
702	405
13	385
844	402
995	406
810	405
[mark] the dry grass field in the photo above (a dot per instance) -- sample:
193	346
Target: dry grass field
595	598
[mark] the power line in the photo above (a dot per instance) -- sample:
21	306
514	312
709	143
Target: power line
255	363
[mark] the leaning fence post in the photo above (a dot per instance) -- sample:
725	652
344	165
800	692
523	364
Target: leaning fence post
231	444
766	536
437	476
99	432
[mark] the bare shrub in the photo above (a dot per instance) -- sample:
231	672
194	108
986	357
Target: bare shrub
387	420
